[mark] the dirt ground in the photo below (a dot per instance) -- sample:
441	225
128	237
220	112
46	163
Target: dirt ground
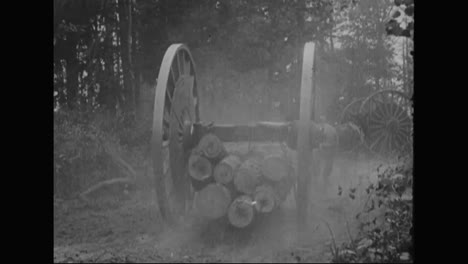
126	227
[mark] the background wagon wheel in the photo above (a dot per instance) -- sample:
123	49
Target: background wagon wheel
351	112
175	111
389	122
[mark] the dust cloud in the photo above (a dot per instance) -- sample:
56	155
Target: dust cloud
273	237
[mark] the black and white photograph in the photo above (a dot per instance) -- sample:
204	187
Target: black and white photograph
233	131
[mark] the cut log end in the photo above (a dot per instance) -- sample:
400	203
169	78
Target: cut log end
275	167
224	171
241	211
248	177
199	167
212	202
211	146
264	199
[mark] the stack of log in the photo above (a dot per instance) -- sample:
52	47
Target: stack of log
237	186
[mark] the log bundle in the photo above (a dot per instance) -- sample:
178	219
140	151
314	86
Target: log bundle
236	186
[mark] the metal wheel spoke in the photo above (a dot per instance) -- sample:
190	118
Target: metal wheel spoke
175	75
390	141
186	63
374	120
377	114
393	108
372	134
401	136
401	114
405	122
398	140
383	144
376	140
380	112
387	107
188	67
168	102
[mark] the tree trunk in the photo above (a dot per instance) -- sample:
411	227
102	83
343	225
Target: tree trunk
403	55
72	71
213	201
241	212
137	73
224	170
125	52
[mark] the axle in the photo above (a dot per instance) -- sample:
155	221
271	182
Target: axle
269	132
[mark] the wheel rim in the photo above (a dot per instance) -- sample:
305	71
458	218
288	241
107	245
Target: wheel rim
389	123
351	112
175	110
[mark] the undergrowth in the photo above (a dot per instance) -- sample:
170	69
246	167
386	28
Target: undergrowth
83	142
385	222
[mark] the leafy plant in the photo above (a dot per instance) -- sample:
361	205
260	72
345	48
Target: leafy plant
385	230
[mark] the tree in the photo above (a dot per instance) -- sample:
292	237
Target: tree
361	33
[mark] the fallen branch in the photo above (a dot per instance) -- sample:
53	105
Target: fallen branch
120	162
103	184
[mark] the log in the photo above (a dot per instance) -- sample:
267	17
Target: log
248	176
264	199
275	167
224	171
241	211
199	185
211	147
213	201
283	188
199	167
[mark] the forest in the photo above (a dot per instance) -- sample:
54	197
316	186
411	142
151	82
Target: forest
248	62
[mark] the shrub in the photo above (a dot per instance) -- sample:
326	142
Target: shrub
385	230
82	142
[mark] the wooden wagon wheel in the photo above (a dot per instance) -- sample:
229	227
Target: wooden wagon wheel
303	138
389	122
175	111
351	112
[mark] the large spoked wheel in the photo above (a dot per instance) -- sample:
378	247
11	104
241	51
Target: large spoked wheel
389	123
175	111
351	112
